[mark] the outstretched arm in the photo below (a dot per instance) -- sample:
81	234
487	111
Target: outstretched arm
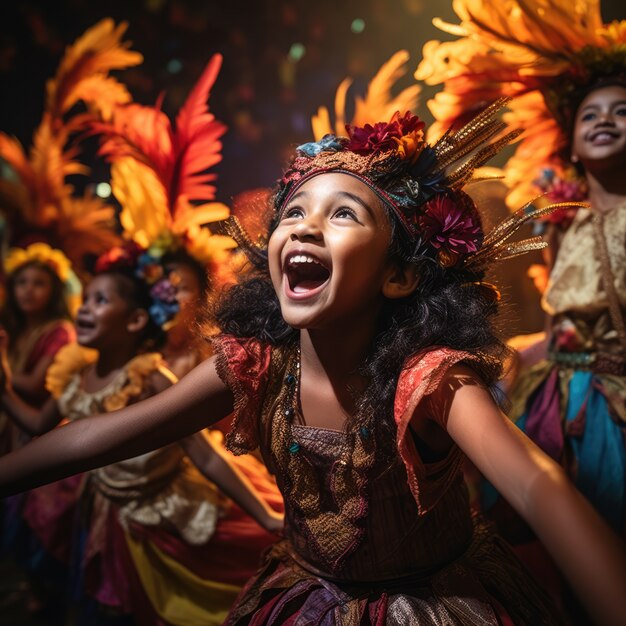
587	551
214	466
198	400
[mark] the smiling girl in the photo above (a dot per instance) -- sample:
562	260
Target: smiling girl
358	358
138	515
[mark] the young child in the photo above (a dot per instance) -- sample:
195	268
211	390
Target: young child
36	315
160	491
569	395
358	359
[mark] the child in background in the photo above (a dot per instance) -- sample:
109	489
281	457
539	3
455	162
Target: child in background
358	359
569	395
109	369
36	317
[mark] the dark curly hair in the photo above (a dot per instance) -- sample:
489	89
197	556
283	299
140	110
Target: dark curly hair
450	307
56	309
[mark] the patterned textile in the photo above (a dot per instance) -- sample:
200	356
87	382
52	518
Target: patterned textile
420	557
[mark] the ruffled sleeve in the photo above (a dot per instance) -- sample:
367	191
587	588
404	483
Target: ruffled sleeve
138	371
243	364
68	362
420	377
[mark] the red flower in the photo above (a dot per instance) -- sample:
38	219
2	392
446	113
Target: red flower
451	225
383	136
119	257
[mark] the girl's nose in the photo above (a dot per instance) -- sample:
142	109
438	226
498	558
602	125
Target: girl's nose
307	228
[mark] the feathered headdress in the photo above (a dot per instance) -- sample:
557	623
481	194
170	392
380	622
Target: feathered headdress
420	183
159	174
378	103
539	52
40	203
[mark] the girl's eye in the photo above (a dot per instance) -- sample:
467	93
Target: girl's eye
586	117
621	111
293	212
345	212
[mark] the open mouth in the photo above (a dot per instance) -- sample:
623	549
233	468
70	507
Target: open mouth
305	273
603	136
82	324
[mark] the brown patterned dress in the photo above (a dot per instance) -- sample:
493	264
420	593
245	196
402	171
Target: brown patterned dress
398	546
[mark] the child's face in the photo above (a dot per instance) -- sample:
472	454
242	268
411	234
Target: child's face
600	125
188	288
32	289
328	254
102	319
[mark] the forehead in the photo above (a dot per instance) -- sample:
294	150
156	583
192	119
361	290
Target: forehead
187	275
104	283
33	272
331	184
605	95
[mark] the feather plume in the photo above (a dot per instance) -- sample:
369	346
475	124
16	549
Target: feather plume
159	171
378	103
524	49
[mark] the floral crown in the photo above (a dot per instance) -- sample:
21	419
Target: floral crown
394	160
59	264
147	267
419	182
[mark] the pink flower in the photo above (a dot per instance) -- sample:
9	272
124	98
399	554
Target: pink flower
383	136
451	225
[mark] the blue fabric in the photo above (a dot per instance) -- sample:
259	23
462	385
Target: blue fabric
600	452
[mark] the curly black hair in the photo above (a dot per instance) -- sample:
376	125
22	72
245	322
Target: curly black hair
451	307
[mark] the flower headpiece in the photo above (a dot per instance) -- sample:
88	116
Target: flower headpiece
545	54
148	268
54	259
422	184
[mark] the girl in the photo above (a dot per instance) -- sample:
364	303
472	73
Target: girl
41	289
570	392
36	316
121	564
358	360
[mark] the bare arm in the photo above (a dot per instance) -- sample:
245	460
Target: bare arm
214	466
198	400
587	551
33	385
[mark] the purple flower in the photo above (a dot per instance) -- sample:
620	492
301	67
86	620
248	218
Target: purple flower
451	225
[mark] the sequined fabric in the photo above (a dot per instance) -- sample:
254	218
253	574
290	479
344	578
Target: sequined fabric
160	488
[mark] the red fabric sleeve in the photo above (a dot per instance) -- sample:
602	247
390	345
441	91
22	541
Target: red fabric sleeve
50	343
420	377
243	365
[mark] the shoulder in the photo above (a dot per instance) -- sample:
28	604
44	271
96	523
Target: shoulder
434	375
241	358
